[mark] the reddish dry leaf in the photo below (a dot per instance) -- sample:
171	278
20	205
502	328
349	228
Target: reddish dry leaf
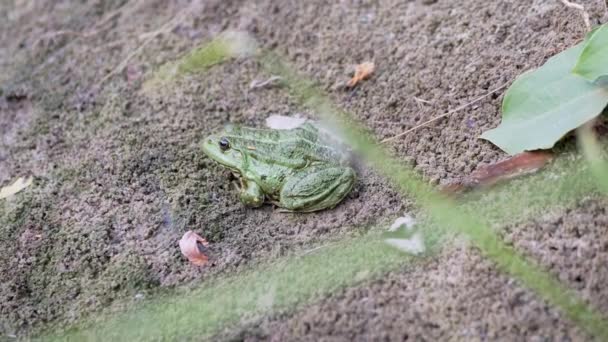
362	72
518	165
488	175
193	247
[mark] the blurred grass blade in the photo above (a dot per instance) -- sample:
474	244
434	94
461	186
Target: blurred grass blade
593	153
230	44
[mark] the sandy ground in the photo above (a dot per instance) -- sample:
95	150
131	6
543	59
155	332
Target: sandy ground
433	301
119	176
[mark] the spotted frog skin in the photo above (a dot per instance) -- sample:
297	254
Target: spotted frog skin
299	169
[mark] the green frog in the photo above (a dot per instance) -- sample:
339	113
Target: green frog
300	169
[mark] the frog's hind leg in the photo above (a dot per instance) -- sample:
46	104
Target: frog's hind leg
317	188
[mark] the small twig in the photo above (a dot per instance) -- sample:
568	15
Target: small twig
255	84
66	33
61	33
422	100
109	45
312	250
446	114
581	9
152	34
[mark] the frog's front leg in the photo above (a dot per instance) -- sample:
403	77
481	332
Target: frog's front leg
317	188
251	194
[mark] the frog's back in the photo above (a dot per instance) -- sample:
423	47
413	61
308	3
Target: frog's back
303	142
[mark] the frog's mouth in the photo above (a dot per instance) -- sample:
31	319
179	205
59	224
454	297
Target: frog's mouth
230	158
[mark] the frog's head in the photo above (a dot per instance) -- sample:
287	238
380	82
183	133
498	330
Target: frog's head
219	148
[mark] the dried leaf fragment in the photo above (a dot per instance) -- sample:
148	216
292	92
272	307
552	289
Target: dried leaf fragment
488	175
20	184
362	72
194	247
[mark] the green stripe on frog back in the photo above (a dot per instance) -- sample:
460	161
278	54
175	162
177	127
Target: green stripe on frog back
295	152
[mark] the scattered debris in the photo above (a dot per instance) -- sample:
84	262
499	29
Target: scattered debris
284	122
488	175
419	100
20	184
16	96
273	81
405	221
194	247
362	72
367	18
470	123
132	74
30	238
413	245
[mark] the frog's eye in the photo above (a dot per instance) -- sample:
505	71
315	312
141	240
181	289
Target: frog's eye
224	144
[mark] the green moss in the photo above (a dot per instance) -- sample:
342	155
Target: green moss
204	57
200	59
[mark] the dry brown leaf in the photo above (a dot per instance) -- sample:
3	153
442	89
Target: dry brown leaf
488	175
20	184
518	165
193	247
362	72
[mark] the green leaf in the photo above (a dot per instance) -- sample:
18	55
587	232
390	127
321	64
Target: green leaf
593	61
541	106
